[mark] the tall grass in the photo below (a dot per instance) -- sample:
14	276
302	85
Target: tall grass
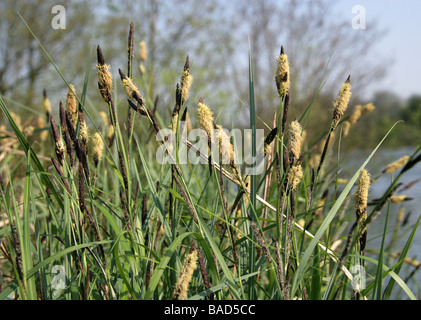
104	219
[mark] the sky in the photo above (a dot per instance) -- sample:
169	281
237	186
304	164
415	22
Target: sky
402	41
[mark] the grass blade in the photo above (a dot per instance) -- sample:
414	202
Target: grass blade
161	267
388	291
329	217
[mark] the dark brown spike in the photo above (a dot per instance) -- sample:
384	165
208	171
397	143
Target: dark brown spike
69	147
82	206
60	172
62	114
282	50
125	212
178	98
18	249
187	64
144	207
285	114
272	134
56	137
141	110
130	51
348	80
81	154
123	171
70	129
100	56
54	129
184	115
122	75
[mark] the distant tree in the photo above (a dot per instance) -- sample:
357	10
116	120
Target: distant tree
213	33
411	113
172	30
24	69
389	103
314	40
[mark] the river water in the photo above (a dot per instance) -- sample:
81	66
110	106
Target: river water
351	161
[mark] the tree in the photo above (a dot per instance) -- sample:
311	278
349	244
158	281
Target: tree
213	33
172	30
411	113
389	103
313	42
24	69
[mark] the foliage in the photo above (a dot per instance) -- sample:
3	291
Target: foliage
128	227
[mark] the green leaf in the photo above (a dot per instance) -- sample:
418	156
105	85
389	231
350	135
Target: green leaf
377	293
388	271
398	266
165	259
12	286
329	217
316	277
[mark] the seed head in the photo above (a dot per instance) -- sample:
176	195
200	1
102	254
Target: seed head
356	115
185	277
341	103
41	125
97	147
110	135
71	104
83	129
186	81
295	140
105	80
294	176
368	108
399	199
342	181
143	51
361	196
71	99
226	149
346	126
28	131
131	90
282	74
205	117
104	118
59	145
396	165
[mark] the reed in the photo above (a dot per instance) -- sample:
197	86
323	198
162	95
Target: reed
94	199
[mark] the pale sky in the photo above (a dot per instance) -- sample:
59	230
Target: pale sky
402	42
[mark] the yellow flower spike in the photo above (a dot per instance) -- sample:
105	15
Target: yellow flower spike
341	103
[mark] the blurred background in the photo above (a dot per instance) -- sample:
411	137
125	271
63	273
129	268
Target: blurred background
376	42
319	37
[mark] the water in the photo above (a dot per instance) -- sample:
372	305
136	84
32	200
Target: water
351	162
